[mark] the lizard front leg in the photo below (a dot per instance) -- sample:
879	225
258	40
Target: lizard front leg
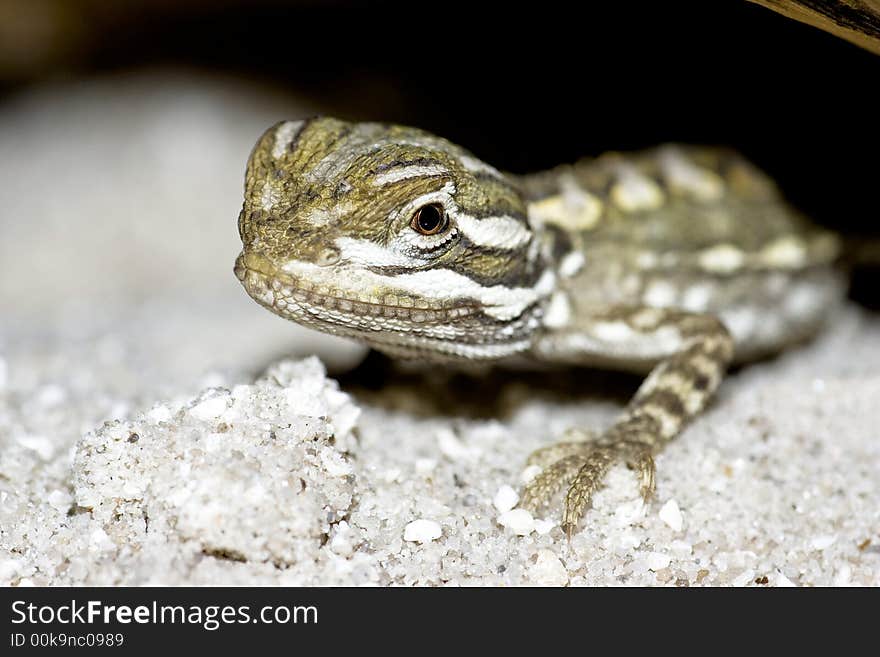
691	353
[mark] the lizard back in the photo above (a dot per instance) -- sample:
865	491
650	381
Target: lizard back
688	227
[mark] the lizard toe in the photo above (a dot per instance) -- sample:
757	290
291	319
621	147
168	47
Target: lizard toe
550	481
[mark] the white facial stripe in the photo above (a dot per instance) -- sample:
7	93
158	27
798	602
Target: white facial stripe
442	196
285	134
412	171
500	232
368	253
498	301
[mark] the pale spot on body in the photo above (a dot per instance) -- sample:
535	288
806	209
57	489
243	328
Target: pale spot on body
697	297
667	339
804	300
573	208
647	259
558	312
788	252
635	192
660	294
669	423
706	366
722	259
611	336
685	177
741	321
613	331
571	264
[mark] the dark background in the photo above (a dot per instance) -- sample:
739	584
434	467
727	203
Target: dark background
524	86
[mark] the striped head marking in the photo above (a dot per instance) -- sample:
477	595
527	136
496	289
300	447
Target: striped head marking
393	236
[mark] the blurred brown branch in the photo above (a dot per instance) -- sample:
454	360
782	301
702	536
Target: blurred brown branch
857	21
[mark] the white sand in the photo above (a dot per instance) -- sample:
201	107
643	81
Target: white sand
141	441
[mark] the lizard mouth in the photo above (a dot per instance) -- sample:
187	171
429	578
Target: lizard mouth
355	303
330	306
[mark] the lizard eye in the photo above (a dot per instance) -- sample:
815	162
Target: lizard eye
429	219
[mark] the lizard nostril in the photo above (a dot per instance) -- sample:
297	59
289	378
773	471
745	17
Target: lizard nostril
327	256
239	269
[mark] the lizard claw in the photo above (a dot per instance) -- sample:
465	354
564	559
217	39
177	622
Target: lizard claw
549	481
583	471
647	476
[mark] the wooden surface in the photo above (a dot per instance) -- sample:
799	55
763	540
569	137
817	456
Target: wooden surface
857	21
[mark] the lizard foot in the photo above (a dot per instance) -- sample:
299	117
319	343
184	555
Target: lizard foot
582	465
580	443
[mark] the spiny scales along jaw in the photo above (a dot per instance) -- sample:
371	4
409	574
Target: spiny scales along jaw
393	236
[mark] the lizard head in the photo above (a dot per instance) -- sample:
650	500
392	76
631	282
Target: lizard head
392	236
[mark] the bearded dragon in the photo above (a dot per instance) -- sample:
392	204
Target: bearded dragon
675	262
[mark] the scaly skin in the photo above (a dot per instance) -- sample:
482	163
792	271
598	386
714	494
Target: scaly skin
674	262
